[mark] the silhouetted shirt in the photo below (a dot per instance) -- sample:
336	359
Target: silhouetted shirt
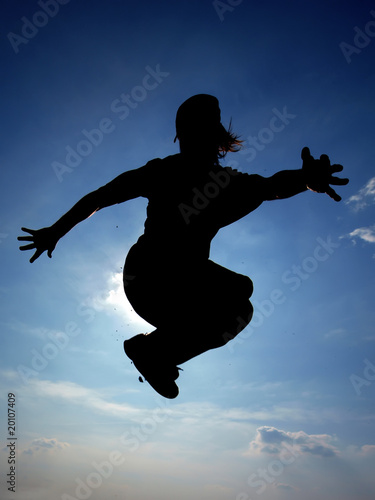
187	204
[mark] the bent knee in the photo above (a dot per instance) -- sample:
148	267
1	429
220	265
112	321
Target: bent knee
239	319
244	316
243	287
248	287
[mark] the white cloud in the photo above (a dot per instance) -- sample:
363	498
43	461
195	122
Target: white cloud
369	338
273	441
83	396
364	233
367	450
285	487
102	402
364	197
337	333
36	332
41	445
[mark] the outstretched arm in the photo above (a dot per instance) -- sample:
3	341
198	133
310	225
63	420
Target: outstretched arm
124	187
285	184
46	239
315	175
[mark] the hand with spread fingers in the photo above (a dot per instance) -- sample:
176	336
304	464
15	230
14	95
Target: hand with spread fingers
319	174
41	239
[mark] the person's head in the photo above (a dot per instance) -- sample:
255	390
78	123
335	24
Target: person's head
199	128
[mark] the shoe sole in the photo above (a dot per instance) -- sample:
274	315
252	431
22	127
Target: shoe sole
169	391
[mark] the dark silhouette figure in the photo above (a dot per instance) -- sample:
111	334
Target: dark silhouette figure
194	304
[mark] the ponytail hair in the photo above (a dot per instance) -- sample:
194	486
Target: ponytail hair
228	141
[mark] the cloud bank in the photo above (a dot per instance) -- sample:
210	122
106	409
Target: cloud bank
272	441
45	445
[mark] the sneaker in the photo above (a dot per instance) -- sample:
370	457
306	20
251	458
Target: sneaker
159	375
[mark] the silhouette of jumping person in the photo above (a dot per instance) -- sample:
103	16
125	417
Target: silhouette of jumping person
193	303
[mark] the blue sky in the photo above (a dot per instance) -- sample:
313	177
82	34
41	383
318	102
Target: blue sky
285	411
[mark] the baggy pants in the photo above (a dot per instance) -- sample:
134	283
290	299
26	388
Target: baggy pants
194	309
